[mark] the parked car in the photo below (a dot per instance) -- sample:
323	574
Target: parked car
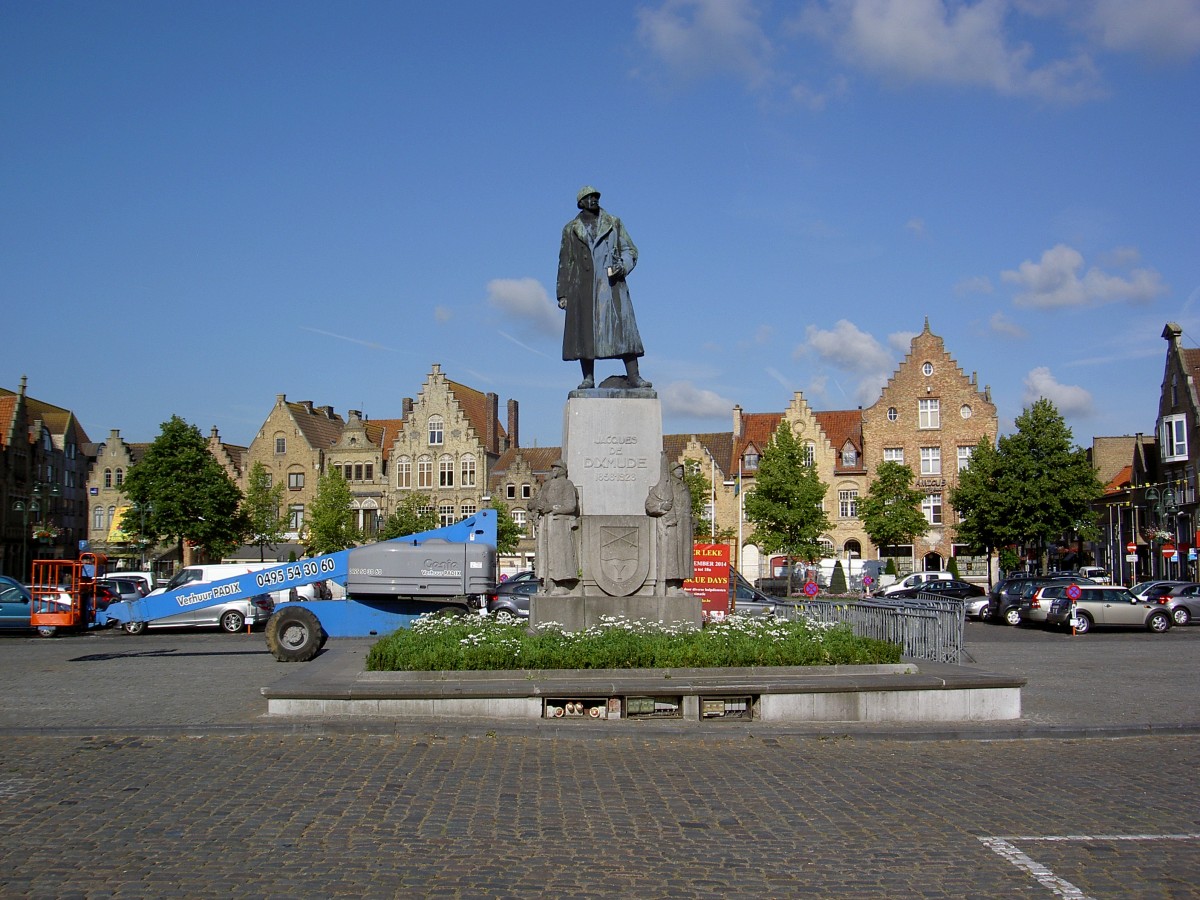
1163	586
125	588
1035	604
1183	602
916	579
145	579
510	603
749	601
942	587
1095	573
16	601
1101	605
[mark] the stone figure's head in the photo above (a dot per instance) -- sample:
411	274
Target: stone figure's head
558	469
588	198
678	470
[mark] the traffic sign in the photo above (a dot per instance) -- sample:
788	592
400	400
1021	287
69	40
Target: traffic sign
1168	550
1131	547
1073	592
811	589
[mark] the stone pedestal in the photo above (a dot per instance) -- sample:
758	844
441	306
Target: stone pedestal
612	447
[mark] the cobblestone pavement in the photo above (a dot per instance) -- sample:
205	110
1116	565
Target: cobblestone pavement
145	767
479	815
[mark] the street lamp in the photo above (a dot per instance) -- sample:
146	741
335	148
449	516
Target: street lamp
32	506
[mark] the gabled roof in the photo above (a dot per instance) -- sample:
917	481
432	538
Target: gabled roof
474	405
1121	481
383	432
8	411
757	429
718	444
55	418
843	427
539	459
320	429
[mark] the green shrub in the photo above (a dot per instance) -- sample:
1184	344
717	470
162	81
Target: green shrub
440	643
952	567
837	581
890	568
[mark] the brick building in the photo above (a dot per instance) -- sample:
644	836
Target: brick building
929	416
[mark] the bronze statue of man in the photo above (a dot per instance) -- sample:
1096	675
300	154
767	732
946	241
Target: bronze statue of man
595	256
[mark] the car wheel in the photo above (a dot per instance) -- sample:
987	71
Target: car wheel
1158	622
1181	615
1083	623
294	635
232	621
985	613
505	617
47	630
134	627
1012	616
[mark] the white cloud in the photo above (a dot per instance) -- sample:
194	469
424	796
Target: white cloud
816	99
851	350
525	300
695	38
442	313
1056	282
1003	325
976	285
946	43
901	341
682	398
915	226
1161	29
1071	400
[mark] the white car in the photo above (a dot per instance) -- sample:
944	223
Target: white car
916	579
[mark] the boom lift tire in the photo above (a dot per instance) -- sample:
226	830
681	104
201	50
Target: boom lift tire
294	635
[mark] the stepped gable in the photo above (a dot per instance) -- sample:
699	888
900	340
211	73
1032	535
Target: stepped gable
321	426
8	424
57	420
474	406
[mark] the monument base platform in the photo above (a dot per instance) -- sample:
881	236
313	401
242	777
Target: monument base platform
575	613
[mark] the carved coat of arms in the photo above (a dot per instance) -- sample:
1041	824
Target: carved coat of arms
618	548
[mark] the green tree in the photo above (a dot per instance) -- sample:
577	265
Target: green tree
891	510
1046	485
978	503
414	514
185	494
837	581
330	519
508	533
701	491
263	506
785	504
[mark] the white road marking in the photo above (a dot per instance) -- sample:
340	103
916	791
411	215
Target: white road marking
1004	847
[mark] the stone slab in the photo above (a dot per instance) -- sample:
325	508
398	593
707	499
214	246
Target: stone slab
613	450
578	613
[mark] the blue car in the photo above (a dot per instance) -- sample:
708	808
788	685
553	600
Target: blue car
15	603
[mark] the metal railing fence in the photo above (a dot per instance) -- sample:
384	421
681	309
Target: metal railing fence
929	627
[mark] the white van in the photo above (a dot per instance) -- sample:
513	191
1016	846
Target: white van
916	579
231	616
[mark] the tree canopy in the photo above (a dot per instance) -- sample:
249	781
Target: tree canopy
412	515
1035	487
330	518
263	505
701	491
181	493
785	504
891	510
508	533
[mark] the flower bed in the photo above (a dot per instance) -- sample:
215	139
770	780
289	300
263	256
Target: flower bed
471	643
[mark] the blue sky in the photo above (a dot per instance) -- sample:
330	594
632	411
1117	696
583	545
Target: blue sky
208	204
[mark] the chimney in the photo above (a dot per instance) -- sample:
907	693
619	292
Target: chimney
307	404
491	439
406	407
513	416
737	421
327	411
280	399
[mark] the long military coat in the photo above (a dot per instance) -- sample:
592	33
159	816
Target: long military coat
600	322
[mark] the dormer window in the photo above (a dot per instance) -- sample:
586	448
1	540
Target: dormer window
750	460
849	455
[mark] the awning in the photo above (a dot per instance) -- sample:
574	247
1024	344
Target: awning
115	534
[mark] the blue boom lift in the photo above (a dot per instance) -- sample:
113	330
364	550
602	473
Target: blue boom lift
388	584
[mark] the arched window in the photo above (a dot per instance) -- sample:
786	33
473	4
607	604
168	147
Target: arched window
437	430
112	512
120	477
98	518
424	472
108	478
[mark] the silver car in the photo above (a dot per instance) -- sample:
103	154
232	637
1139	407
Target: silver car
1102	605
1184	603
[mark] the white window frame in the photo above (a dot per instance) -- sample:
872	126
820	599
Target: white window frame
424	473
446	472
1173	438
403	473
848	504
931	460
964	457
467	479
893	454
929	413
931	506
437	431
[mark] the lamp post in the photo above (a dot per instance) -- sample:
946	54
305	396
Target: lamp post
25	507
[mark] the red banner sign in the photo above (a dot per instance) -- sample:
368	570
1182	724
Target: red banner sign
710	579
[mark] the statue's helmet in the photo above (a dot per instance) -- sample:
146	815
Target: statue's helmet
585	191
